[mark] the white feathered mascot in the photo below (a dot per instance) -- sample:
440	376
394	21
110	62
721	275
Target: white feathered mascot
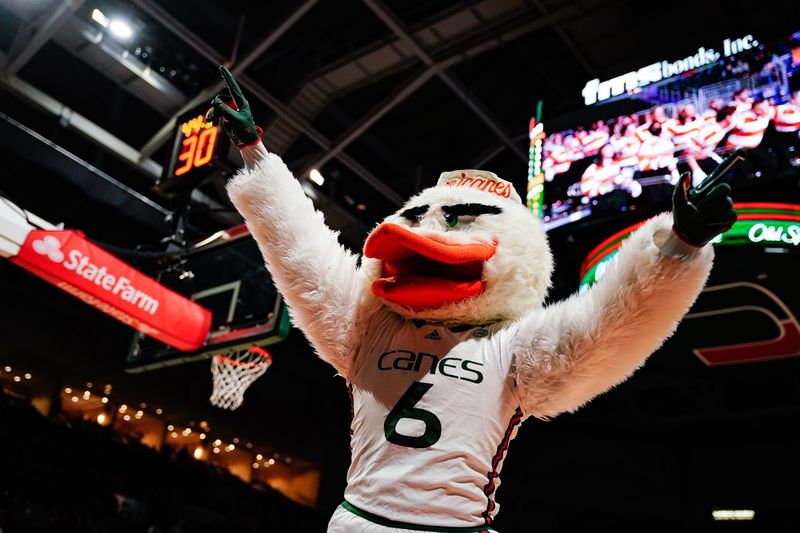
441	332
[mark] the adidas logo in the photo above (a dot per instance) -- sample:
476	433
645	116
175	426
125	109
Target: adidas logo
433	335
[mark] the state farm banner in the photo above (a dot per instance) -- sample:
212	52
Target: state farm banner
72	263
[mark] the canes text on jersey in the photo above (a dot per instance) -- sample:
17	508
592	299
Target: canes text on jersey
451	367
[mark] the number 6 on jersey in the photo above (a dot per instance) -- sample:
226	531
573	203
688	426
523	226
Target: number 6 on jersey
405	409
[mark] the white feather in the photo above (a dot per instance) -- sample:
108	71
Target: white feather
569	352
327	295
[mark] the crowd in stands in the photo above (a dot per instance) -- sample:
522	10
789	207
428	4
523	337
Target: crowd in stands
652	141
69	476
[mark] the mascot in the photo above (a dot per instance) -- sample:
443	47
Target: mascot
440	329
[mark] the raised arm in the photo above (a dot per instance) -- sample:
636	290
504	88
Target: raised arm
317	277
568	353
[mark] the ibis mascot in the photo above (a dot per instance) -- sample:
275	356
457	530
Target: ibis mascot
440	329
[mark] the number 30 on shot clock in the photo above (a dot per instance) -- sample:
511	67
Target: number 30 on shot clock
197	144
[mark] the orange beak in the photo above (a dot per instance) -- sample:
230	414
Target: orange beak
422	273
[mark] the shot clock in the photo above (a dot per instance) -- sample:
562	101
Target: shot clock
200	151
198	139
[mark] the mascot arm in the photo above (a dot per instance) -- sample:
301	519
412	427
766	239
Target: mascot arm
317	277
569	352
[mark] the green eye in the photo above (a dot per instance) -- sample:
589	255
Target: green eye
450	220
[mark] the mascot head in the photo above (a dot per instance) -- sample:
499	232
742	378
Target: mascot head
464	251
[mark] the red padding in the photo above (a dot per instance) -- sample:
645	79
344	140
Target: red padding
73	264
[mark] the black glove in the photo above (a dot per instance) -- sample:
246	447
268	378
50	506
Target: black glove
237	121
702	213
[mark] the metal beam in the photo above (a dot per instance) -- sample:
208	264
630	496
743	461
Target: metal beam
173	25
376	114
43	29
95	183
165	133
163	17
298	122
274	35
580	56
84	126
399	29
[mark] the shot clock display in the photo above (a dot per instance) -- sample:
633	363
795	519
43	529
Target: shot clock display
199	152
198	140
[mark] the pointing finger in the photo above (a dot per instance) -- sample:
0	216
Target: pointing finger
233	87
736	157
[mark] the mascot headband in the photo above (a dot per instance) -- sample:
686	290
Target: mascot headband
482	180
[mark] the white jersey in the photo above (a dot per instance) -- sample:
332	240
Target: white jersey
434	409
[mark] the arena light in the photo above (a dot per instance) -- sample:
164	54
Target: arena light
316	177
100	18
104	399
198	453
120	29
733	514
28	376
17	379
101	418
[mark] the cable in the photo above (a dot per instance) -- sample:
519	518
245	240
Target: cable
134	252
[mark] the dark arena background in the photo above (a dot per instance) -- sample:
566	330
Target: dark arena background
105	419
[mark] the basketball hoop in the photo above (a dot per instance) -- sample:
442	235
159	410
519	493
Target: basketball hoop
233	372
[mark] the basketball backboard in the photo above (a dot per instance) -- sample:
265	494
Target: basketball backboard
224	273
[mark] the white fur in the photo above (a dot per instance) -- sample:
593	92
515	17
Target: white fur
517	276
571	351
327	296
564	354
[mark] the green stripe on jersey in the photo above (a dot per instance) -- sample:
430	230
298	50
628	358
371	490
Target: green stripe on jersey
401	525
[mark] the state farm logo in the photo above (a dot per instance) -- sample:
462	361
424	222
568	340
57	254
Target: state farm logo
99	276
49	246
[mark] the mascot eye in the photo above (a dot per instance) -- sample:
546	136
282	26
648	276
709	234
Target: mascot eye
451	220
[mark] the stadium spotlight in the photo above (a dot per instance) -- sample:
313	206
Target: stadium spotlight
101	418
198	452
120	29
733	514
100	18
316	177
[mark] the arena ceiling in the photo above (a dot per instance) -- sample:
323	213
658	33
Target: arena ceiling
382	96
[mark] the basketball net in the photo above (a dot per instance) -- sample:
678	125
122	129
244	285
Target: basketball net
233	372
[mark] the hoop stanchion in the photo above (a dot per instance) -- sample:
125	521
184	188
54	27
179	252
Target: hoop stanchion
234	371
